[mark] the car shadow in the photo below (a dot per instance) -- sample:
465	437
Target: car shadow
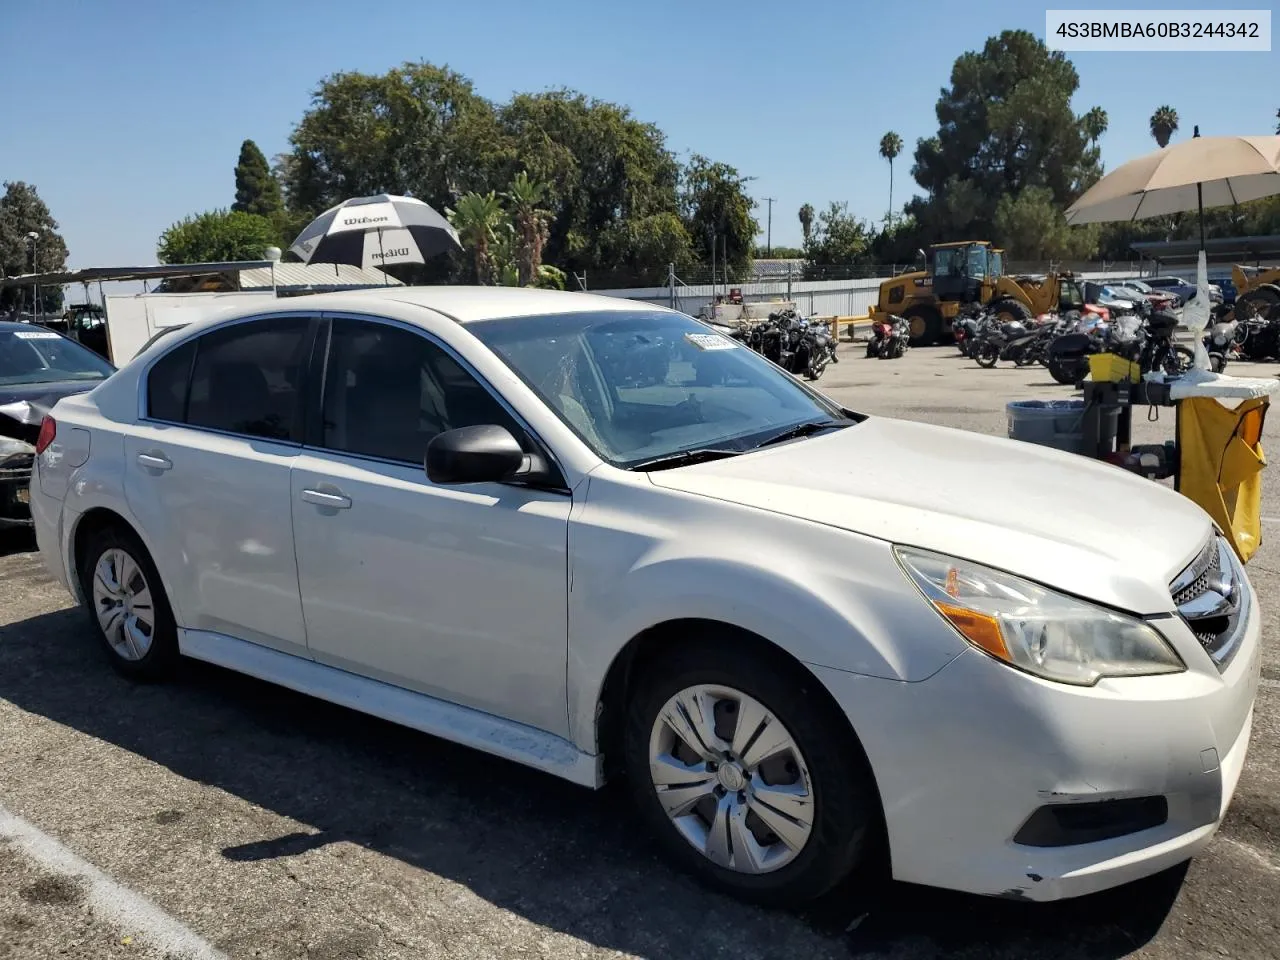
561	856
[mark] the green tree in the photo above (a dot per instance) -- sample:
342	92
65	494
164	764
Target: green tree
604	170
481	224
840	239
779	253
22	212
1278	123
1164	124
717	211
1005	123
890	147
417	129
806	220
217	236
1031	226
256	188
1095	125
525	197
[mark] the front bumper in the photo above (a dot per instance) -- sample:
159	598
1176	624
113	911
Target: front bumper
15	496
966	757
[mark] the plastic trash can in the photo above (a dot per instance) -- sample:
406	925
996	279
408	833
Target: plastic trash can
1055	423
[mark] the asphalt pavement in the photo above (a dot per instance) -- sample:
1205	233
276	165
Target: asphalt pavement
220	816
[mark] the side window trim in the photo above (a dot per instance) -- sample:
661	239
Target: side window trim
315	401
144	380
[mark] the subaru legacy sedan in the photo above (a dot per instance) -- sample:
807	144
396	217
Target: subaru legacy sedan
601	539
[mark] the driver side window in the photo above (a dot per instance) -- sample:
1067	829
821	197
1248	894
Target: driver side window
389	390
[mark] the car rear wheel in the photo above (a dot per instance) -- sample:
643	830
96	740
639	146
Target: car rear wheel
747	782
127	604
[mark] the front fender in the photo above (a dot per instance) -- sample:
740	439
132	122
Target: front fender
826	596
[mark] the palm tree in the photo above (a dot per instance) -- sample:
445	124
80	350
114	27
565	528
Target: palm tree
1095	124
890	147
477	218
531	225
806	220
1164	124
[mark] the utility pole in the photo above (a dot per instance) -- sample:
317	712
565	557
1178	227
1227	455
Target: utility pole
768	236
32	239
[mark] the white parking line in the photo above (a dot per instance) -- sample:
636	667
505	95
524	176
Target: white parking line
132	913
1270	519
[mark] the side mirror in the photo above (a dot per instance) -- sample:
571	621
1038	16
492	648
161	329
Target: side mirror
481	454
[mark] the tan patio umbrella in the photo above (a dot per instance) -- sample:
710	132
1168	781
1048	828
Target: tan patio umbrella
1197	173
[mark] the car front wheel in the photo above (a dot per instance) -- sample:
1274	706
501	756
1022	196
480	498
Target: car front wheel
745	777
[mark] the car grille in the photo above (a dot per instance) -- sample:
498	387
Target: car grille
17	467
1212	597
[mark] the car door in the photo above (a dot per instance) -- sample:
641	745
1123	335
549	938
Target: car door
207	476
458	592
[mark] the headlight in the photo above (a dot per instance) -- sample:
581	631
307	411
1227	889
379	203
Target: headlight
14	448
1034	629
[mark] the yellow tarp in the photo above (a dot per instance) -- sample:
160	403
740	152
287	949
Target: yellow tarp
1221	465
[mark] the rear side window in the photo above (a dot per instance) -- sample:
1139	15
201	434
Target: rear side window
167	384
245	379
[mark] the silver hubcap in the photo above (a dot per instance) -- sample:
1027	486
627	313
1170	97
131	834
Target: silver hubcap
122	601
731	778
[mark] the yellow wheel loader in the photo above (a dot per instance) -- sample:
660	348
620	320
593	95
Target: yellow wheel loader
1257	291
968	272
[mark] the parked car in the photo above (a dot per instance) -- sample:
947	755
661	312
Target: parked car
767	614
1160	299
1185	289
38	367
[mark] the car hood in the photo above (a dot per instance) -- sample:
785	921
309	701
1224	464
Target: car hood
1075	524
23	405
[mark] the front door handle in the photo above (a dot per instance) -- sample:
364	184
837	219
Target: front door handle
334	501
152	461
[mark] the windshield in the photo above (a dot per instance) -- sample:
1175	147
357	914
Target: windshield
42	356
640	386
1069	296
997	263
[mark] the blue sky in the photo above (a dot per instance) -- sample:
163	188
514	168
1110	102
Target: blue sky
128	114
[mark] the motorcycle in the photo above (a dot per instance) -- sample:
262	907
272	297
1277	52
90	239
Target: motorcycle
1258	338
965	327
889	338
1220	341
812	347
1012	341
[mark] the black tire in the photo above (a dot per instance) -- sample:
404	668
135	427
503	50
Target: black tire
871	349
925	324
1217	362
162	657
1008	309
846	812
1179	360
986	355
1260	302
1068	372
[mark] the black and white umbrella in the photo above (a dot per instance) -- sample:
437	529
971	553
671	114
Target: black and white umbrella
375	232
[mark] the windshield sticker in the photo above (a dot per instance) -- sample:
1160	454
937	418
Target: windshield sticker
711	341
35	335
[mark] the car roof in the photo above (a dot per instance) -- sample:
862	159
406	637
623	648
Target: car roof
17	325
466	304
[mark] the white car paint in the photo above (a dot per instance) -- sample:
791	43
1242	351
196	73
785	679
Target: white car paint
492	614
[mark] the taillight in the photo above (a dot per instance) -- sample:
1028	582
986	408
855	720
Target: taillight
48	430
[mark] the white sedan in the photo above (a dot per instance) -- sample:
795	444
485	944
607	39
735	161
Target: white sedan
598	538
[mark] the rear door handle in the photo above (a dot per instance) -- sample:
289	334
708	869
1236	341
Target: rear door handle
334	501
153	462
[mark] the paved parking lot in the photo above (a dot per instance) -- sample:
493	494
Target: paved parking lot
221	816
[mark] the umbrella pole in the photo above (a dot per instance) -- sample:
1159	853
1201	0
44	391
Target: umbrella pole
1200	204
385	281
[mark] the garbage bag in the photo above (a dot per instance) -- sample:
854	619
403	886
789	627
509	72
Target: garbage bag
1221	465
